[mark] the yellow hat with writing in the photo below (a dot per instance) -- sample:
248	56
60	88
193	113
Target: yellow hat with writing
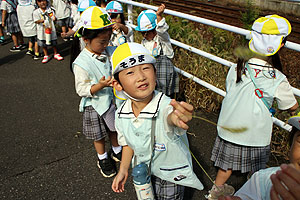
126	56
268	33
94	17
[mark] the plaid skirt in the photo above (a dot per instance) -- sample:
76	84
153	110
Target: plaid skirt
167	77
165	190
227	155
96	127
12	23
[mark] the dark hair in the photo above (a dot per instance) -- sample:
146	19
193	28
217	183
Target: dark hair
114	15
87	34
292	134
99	2
40	1
74	2
274	60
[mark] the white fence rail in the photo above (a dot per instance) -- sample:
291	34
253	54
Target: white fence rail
290	45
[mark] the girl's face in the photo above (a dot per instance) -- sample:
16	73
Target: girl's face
115	17
99	43
42	4
295	151
139	81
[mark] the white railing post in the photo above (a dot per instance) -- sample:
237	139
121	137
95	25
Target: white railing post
130	17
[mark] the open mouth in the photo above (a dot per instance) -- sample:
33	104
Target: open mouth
143	86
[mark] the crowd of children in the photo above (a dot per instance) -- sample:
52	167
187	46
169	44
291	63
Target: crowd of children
126	90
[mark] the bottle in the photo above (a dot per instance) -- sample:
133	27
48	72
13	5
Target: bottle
142	182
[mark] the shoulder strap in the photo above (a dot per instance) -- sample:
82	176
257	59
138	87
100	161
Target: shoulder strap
12	3
258	92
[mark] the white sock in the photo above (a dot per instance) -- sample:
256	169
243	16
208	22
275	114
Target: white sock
117	149
102	156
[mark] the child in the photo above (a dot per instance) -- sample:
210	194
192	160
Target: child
62	13
10	20
171	163
121	32
28	27
157	40
75	15
93	84
251	87
1	28
260	184
44	17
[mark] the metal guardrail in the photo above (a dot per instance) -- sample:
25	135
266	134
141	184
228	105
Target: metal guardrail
222	61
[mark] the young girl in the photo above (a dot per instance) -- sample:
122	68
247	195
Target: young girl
28	27
44	17
251	87
157	40
151	127
10	20
121	32
93	84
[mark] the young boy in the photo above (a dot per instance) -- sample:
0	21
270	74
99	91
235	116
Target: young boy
283	181
171	163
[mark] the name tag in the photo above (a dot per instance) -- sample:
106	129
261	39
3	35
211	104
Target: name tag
159	147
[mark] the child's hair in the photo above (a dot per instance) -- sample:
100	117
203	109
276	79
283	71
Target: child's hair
74	2
36	2
292	134
99	2
87	34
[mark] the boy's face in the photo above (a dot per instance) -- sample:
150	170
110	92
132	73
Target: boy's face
115	17
99	43
42	4
138	81
295	151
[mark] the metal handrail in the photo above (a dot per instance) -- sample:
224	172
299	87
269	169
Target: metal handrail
222	61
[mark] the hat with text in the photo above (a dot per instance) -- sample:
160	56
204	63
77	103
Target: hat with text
268	33
146	20
295	121
129	55
94	18
84	4
114	7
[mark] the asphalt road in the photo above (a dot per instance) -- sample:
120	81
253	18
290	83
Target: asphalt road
43	152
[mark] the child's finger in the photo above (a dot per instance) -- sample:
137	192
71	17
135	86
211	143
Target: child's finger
291	171
290	182
273	194
279	188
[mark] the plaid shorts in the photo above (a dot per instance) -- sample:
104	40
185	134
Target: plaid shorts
165	190
227	155
94	126
167	77
12	23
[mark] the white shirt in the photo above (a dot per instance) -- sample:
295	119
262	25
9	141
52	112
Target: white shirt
40	29
6	6
161	40
62	9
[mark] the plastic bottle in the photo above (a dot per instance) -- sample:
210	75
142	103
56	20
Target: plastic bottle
142	182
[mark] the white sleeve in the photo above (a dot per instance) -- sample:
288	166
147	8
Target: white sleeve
121	138
130	31
284	95
82	82
171	130
162	30
251	189
3	5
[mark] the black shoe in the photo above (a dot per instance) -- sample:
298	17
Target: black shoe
23	46
107	167
35	57
30	53
15	49
117	157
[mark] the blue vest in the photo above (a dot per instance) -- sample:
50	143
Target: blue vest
172	160
96	70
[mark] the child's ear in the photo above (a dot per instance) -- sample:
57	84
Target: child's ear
117	85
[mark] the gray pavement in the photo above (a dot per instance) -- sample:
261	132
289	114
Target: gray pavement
43	152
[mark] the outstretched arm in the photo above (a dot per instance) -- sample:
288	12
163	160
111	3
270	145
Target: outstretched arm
181	114
120	179
159	12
